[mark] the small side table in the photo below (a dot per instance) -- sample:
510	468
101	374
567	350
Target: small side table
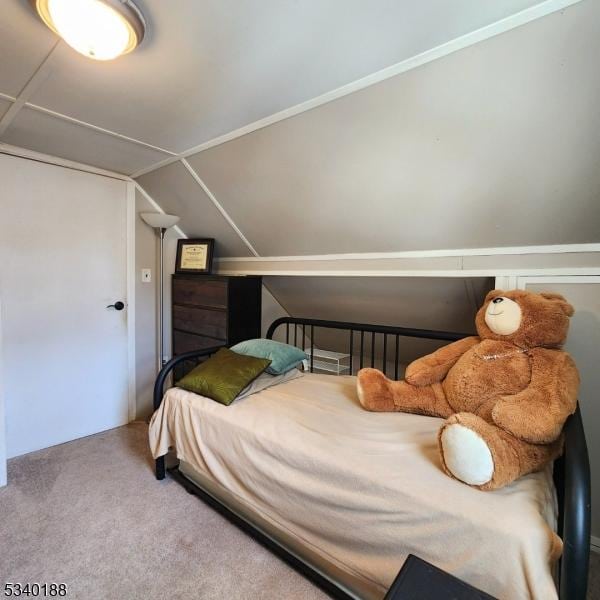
420	580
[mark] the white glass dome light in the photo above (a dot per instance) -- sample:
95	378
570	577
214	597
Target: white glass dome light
98	29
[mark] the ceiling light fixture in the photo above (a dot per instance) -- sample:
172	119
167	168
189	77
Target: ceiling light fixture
98	29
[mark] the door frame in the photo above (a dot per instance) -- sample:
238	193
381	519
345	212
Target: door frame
2	418
130	224
130	277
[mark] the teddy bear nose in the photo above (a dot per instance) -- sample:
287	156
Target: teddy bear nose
497	300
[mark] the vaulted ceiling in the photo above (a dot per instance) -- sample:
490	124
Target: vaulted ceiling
491	144
209	67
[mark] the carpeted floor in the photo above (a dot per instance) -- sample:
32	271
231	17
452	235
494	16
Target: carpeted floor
90	514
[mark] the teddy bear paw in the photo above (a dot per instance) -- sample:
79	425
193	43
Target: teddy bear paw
374	394
466	455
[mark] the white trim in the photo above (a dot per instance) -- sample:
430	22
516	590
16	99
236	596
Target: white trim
39	76
464	41
156	206
75	121
505	282
584	271
509	250
155	166
7	97
595	543
131	275
218	206
59	162
523	281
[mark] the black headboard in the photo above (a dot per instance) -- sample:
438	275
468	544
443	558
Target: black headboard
361	341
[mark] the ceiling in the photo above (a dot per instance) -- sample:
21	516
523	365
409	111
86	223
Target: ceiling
491	144
494	145
207	68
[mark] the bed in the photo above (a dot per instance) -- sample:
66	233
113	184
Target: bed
345	495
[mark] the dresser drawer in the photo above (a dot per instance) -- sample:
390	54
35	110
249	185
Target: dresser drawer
200	320
206	292
184	342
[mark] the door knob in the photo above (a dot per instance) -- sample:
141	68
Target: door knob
117	305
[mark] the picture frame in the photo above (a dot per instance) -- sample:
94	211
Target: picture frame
194	256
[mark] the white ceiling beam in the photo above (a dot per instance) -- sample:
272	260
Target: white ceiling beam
511	22
39	76
218	206
126	138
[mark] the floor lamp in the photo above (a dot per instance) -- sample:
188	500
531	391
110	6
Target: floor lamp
161	223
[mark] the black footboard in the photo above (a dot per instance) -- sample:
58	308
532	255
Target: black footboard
572	481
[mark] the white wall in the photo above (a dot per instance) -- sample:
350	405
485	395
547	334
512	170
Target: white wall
2	412
146	303
583	344
271	310
145	309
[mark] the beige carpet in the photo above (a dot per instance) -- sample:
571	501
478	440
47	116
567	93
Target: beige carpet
90	513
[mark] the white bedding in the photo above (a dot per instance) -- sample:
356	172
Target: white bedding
355	492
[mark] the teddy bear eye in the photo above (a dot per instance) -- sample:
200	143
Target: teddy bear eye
497	300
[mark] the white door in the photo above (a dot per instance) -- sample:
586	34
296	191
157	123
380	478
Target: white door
63	260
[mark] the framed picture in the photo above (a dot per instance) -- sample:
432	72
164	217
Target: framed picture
194	256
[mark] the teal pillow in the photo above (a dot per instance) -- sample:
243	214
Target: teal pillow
223	376
283	357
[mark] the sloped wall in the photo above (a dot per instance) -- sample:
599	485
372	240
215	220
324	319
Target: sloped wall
177	193
436	303
489	146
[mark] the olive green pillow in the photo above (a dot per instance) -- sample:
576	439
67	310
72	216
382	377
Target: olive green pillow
224	375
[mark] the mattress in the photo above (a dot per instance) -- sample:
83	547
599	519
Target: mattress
353	492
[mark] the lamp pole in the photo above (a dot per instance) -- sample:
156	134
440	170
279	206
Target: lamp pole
161	315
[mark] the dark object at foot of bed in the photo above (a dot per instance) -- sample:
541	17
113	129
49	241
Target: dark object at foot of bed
422	580
571	471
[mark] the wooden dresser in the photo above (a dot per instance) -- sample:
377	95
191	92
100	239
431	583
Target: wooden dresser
208	310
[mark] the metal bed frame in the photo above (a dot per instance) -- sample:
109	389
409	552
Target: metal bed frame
571	470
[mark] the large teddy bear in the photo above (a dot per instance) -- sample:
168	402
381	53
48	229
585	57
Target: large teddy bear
505	395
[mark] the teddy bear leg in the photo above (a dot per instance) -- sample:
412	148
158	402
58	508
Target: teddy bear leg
378	393
484	456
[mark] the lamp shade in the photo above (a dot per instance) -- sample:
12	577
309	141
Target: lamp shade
159	220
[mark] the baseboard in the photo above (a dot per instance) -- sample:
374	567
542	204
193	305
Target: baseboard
594	544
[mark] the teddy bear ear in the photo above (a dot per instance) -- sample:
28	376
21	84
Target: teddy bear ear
561	301
493	294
